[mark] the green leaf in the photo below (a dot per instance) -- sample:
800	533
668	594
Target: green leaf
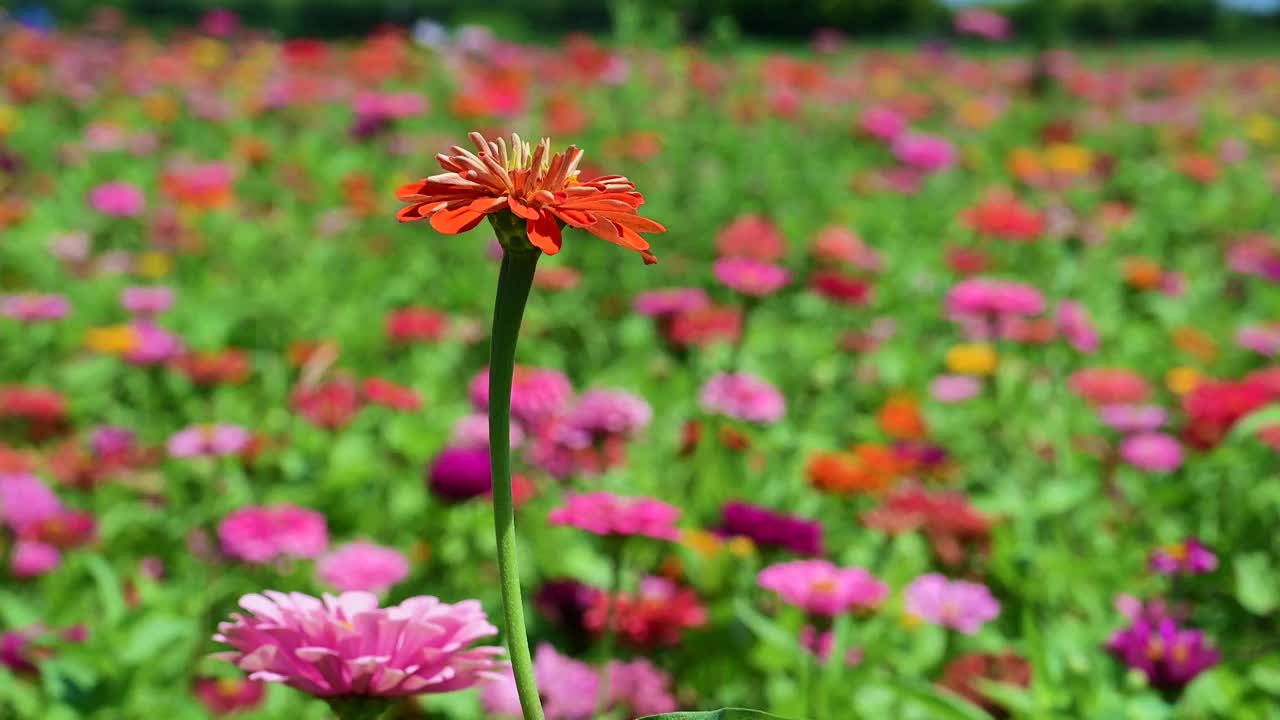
944	706
1257	583
154	635
1253	422
107	583
723	714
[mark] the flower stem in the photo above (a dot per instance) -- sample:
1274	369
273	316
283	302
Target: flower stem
617	550
514	281
359	708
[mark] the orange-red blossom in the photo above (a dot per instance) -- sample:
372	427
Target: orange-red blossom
532	184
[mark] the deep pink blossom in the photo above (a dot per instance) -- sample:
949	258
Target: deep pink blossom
604	513
958	604
821	588
362	565
744	397
260	534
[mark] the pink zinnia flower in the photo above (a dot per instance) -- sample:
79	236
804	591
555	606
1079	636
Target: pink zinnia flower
155	345
1077	327
882	123
1188	557
751	277
260	534
362	565
982	23
954	388
345	646
1262	339
957	604
1152	451
25	501
602	412
117	199
1132	417
926	153
32	558
146	301
209	440
604	513
822	643
671	301
752	237
472	432
536	394
569	688
985	297
640	687
743	396
821	588
35	307
224	696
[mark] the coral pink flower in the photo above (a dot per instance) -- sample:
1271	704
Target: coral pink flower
751	277
209	440
533	185
391	395
416	324
331	405
1005	218
957	604
117	199
1152	451
363	566
345	646
604	513
926	153
821	588
697	328
35	307
839	245
1108	386
743	396
753	237
260	534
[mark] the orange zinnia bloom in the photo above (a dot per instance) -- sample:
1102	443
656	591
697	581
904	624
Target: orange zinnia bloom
537	186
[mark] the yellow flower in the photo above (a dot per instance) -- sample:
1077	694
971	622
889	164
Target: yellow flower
160	109
112	339
1069	159
1182	380
972	359
702	542
8	119
208	53
154	265
1024	163
741	546
1261	129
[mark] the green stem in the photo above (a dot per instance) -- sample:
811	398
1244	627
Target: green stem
514	281
610	625
359	708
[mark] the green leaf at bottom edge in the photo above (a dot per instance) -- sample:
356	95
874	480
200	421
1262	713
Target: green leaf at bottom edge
722	714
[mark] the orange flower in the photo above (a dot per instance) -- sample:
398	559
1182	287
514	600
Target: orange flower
900	418
536	186
1196	342
1143	273
869	468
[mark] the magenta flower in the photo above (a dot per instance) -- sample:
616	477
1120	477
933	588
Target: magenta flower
1077	327
536	394
744	397
345	646
461	473
600	412
216	440
882	123
1170	656
604	513
982	23
155	345
569	688
1152	451
954	388
923	152
25	501
362	566
260	534
821	588
109	441
1262	339
1188	557
32	558
146	301
672	301
751	277
1133	417
768	528
117	199
958	604
35	307
986	297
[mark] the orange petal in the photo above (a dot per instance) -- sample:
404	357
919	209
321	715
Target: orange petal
409	213
649	258
407	192
633	221
455	220
544	233
574	218
631	239
519	208
487	205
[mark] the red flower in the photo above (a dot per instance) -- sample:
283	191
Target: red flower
840	288
966	674
703	327
416	324
389	394
533	185
657	615
1005	218
215	367
1214	407
952	526
330	405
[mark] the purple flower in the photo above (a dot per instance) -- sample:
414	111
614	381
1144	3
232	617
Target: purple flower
1152	451
1170	656
821	588
767	528
954	388
1077	327
958	604
216	440
744	397
460	473
110	441
671	301
751	277
1188	557
117	199
1133	417
923	152
35	307
146	301
565	602
362	565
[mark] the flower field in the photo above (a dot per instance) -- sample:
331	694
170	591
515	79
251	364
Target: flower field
854	383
